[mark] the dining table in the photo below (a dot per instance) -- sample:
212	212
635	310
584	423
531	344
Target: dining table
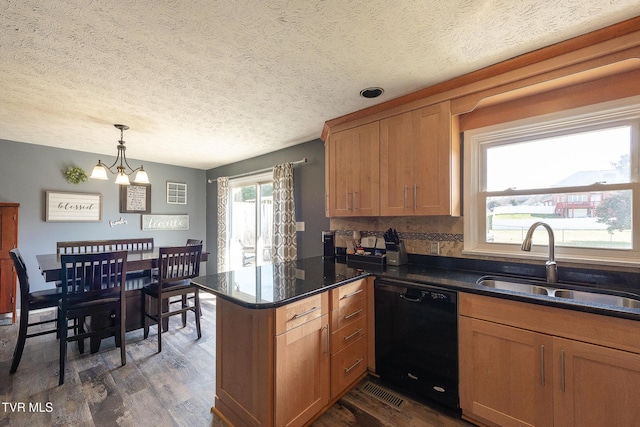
139	266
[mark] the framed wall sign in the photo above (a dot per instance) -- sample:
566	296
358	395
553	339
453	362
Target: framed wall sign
73	207
176	193
135	198
165	222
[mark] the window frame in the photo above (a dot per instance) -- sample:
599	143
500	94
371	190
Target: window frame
592	117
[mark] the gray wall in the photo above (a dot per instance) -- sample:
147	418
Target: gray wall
309	202
27	171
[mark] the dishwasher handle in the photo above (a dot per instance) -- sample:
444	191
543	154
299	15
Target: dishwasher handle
411	299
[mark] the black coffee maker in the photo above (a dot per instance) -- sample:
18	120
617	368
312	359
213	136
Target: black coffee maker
329	244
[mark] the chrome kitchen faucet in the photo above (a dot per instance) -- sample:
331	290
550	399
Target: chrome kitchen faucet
552	267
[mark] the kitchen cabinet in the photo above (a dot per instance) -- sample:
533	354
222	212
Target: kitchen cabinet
349	332
302	374
419	163
8	241
353	172
528	365
273	366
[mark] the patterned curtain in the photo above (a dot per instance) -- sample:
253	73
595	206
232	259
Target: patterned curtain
223	213
284	214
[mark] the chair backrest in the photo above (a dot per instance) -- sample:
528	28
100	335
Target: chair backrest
23	277
93	276
178	263
94	246
194	242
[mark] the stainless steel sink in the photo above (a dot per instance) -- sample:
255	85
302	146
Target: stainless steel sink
541	288
508	285
597	298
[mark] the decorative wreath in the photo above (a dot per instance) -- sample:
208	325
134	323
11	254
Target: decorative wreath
75	175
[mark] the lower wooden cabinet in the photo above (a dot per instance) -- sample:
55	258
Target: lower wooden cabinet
528	365
302	375
285	366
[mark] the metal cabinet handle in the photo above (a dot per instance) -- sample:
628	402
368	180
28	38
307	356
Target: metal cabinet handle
415	197
542	365
355	313
352	294
354	200
347	199
347	370
404	203
297	316
348	337
562	373
326	338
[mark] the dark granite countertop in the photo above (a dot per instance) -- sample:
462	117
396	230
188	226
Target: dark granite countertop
274	285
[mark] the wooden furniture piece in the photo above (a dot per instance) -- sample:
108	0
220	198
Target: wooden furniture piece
525	364
31	301
8	241
403	165
353	170
419	163
285	366
176	267
144	260
92	246
92	285
348	335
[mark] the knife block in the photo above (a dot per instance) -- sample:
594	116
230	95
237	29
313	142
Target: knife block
398	257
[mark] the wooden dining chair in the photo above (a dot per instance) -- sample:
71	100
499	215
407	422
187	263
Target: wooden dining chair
29	301
176	267
92	285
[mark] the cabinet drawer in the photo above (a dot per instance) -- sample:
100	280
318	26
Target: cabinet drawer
299	312
348	314
350	333
347	365
346	294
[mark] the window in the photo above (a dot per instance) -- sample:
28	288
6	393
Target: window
251	220
576	171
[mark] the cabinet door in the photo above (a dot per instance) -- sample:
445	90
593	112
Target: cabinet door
365	184
7	286
431	187
8	241
354	172
396	164
340	151
505	374
303	373
596	386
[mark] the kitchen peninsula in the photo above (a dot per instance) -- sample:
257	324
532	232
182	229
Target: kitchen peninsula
291	339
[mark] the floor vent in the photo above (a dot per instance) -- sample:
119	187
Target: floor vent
383	395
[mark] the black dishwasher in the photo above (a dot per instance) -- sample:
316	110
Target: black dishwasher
417	339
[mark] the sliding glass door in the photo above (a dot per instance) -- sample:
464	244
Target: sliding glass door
251	220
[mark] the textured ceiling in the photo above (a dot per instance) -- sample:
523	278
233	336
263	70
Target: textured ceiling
207	83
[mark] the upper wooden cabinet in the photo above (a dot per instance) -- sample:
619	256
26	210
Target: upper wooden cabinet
353	172
419	163
404	165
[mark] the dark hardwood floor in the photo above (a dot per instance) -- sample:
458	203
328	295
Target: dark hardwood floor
172	388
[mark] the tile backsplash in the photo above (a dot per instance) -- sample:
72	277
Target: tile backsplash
417	232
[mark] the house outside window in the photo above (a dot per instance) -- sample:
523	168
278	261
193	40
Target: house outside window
576	171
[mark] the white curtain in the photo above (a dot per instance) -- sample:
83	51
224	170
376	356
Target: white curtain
284	214
223	215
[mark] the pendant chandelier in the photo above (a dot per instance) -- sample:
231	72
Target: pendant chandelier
122	175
